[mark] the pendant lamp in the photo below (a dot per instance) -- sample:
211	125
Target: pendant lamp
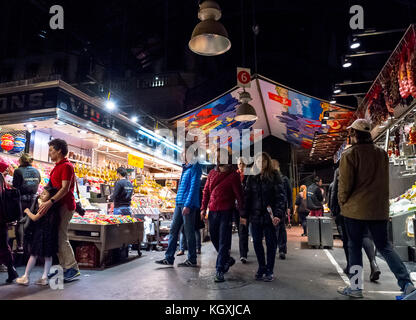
245	111
209	37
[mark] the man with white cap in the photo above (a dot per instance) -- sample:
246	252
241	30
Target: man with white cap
363	195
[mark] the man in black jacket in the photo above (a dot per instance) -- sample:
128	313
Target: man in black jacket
122	194
315	198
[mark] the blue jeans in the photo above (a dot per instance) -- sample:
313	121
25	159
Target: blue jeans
378	229
269	231
182	240
188	223
124	211
220	230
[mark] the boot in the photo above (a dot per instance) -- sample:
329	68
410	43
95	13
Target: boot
12	274
375	271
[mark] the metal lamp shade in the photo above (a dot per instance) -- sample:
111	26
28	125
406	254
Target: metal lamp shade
246	112
209	38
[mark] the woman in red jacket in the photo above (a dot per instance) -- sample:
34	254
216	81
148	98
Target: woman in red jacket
222	189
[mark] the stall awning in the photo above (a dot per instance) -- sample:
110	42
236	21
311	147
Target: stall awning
285	113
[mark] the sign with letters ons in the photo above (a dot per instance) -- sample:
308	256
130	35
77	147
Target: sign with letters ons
28	101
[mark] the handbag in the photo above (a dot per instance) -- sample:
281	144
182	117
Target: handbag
78	207
12	205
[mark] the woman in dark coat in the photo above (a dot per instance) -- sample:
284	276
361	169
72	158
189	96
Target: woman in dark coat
6	256
264	199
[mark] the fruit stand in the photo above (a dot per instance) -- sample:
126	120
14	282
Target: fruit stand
106	232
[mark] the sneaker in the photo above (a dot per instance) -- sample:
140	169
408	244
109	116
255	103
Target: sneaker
71	274
243	260
187	263
409	292
164	262
219	277
282	255
3	268
42	282
23	280
230	263
347	291
180	253
268	277
259	275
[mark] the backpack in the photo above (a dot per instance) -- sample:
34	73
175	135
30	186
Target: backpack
12	205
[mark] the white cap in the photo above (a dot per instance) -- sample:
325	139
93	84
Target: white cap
361	125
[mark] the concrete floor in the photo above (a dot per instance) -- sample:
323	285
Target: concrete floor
305	274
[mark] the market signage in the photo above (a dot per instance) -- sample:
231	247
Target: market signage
28	101
135	161
282	100
106	120
57	98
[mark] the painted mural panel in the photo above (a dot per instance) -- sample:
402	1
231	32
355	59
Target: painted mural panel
295	117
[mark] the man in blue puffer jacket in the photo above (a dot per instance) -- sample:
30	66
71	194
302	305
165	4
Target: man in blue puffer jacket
187	203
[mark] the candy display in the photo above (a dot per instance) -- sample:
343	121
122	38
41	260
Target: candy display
7	142
102	219
19	143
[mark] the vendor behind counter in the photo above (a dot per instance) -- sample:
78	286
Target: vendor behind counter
122	194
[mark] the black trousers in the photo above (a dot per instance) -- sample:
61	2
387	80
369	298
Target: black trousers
282	237
220	229
367	242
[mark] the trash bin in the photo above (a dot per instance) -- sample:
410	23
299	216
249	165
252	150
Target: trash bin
312	224
327	237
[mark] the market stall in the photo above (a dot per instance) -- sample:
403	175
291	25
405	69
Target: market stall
99	142
390	104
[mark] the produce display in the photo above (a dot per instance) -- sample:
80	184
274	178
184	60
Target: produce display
405	202
102	219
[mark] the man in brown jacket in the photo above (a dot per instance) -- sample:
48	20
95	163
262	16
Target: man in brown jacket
363	195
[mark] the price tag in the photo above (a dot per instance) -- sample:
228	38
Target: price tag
135	161
243	78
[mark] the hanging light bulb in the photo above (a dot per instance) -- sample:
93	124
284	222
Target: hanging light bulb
209	37
355	44
346	63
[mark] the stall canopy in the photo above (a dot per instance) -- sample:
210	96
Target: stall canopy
285	113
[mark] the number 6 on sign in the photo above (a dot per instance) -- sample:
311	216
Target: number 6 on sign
243	78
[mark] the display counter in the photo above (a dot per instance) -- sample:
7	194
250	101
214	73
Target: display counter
107	237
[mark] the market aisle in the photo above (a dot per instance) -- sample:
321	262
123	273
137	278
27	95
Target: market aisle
305	274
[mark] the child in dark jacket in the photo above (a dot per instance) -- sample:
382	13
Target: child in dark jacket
44	237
